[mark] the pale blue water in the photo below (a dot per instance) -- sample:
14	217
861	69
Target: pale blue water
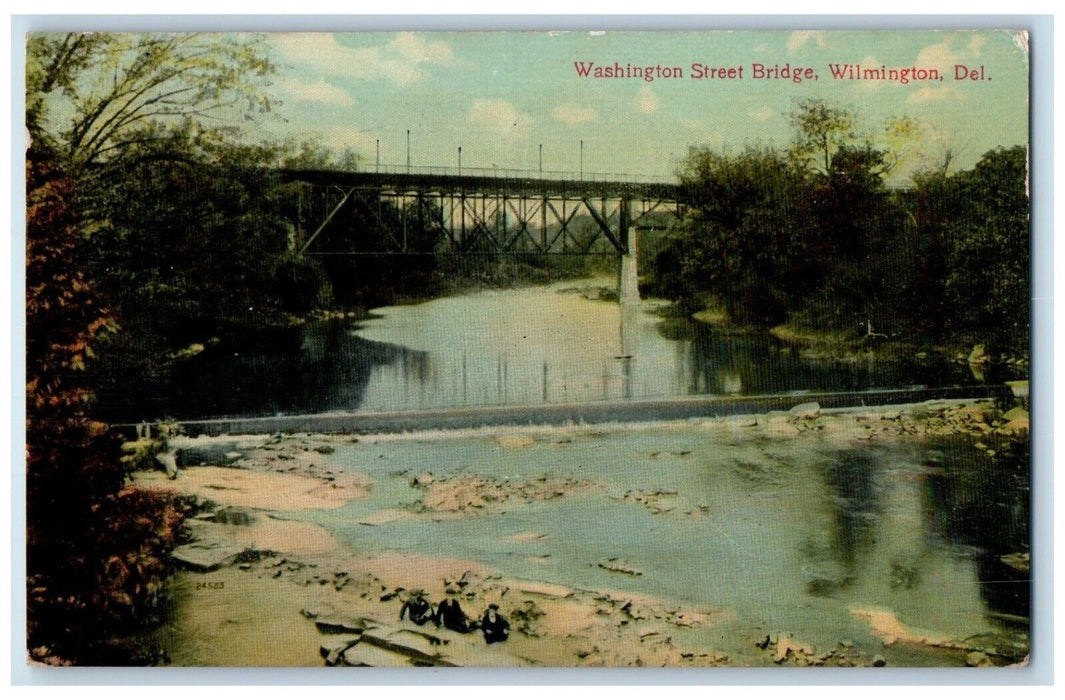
529	346
774	519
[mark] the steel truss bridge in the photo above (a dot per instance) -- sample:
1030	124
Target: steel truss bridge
484	212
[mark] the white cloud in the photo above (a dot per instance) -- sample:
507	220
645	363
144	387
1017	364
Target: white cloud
572	114
318	91
869	61
938	55
797	40
402	60
415	47
646	100
952	49
762	115
934	94
499	116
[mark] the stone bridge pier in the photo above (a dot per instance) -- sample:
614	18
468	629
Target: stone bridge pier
628	285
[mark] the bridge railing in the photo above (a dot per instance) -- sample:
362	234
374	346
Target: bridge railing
513	173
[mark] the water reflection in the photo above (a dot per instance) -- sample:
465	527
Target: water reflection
527	346
888	524
980	505
553	345
317	368
852	476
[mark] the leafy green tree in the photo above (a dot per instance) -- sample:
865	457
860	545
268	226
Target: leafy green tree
187	223
988	287
734	242
820	130
852	238
93	95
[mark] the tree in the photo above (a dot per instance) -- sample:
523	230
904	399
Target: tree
820	130
735	239
94	95
900	137
95	552
989	285
110	117
186	222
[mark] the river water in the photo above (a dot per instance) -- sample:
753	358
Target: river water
528	346
789	535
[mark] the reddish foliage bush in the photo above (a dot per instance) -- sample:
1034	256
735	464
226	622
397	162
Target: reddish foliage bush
95	555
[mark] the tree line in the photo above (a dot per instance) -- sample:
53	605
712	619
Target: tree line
813	236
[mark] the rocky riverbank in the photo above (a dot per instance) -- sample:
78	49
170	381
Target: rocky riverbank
262	584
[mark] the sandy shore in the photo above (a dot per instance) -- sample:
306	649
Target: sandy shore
261	609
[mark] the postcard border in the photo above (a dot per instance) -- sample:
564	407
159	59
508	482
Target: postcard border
1040	670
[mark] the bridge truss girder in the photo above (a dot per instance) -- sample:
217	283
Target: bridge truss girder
484	222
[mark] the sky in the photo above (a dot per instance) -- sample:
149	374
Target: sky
502	97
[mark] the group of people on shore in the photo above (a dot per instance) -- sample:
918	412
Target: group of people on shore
448	613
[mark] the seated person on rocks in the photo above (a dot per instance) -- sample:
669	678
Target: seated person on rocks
449	614
494	626
417	608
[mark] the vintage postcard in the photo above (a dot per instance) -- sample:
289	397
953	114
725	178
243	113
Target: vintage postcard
560	349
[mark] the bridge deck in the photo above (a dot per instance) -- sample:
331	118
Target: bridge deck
517	183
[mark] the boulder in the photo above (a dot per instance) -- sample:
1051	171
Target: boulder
1014	413
206	556
807	410
979	355
333	625
549	590
229	516
168	461
366	655
423	479
1019	388
1017	426
779	427
978	659
221	454
421	648
333	653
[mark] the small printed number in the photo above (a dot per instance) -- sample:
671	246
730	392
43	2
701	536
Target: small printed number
210	585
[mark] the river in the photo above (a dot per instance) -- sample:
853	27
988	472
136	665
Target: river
528	346
786	534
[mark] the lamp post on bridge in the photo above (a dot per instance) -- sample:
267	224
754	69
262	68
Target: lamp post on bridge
582	161
460	160
408	151
541	161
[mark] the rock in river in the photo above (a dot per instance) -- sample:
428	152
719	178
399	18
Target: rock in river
806	410
206	556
